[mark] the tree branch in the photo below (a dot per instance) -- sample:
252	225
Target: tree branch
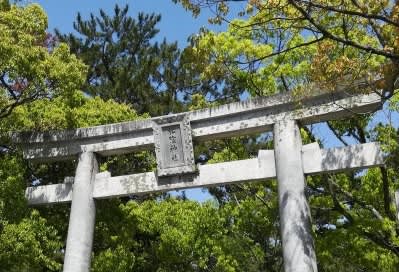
382	241
284	51
337	204
328	34
352	12
358	201
387	195
8	87
339	137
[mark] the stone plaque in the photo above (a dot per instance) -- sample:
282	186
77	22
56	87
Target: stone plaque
173	145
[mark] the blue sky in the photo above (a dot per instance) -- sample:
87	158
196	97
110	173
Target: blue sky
176	24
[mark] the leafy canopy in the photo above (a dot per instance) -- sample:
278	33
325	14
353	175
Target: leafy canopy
342	40
30	67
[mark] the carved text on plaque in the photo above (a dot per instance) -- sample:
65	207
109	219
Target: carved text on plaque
173	145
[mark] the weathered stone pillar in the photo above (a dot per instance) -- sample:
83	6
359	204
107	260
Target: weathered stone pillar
82	218
295	219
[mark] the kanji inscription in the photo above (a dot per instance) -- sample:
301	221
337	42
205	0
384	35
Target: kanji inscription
173	145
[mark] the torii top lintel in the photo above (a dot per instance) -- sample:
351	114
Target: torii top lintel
234	119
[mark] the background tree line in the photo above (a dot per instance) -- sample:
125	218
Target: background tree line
112	70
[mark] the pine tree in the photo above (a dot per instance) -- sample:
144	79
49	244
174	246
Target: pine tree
125	63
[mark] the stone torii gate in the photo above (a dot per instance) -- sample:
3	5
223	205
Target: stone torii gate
172	136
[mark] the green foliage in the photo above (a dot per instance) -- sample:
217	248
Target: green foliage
126	65
175	235
32	240
4	5
353	229
119	260
12	187
279	46
38	240
345	250
240	54
30	68
72	112
282	45
29	245
263	52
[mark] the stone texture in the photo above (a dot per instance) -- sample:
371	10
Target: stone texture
173	145
49	194
295	217
241	118
314	159
339	159
82	217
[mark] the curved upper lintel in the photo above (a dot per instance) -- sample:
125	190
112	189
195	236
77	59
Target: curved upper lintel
235	119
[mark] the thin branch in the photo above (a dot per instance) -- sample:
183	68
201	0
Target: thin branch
8	87
284	51
373	25
382	241
287	89
256	195
331	36
236	200
339	137
337	204
358	201
352	12
361	133
387	195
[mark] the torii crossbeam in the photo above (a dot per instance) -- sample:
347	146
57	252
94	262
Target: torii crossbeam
172	135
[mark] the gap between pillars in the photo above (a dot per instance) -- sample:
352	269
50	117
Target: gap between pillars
295	218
